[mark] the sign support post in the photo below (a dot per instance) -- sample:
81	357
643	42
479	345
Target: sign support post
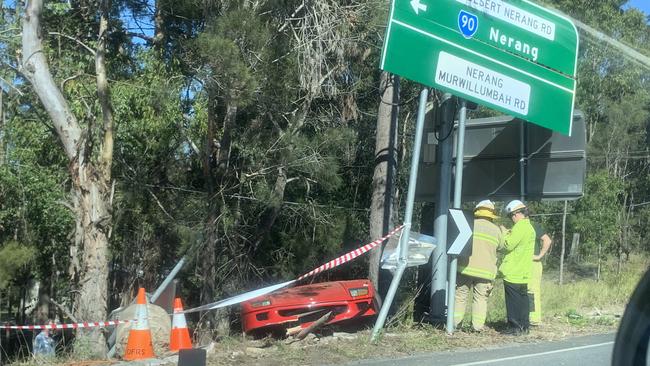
408	216
437	303
458	188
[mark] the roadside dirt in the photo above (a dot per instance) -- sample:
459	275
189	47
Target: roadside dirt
339	348
331	347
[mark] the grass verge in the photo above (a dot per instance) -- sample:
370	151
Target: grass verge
580	299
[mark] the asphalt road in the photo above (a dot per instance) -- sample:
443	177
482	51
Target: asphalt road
595	350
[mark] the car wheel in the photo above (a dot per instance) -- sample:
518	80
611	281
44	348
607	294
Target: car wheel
631	347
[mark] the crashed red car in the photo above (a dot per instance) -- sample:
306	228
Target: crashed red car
303	305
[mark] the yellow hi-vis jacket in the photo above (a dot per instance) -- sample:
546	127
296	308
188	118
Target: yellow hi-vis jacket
487	237
519	245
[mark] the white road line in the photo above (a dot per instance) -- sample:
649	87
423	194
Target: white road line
483	56
534	354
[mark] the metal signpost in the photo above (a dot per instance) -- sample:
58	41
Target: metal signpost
464	233
402	262
438	292
463	238
515	57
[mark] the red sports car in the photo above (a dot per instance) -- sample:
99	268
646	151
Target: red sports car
302	305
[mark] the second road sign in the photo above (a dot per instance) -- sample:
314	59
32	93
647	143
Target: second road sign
462	224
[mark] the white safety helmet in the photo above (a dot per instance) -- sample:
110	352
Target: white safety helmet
485	208
514	206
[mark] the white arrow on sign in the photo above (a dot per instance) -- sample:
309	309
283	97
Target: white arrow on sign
417	6
464	232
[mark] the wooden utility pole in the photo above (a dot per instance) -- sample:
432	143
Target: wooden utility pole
563	243
383	180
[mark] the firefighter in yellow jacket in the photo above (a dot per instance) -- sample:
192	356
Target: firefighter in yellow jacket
516	267
476	273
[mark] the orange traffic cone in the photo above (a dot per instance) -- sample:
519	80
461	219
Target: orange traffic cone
139	345
180	337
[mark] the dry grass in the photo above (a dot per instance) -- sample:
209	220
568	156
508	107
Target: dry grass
395	342
581	295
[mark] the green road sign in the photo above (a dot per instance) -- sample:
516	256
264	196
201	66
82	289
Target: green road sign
513	56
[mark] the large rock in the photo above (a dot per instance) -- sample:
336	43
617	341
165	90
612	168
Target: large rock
159	322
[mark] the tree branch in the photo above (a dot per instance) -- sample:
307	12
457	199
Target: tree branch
103	92
73	39
161	205
36	69
64	310
141	36
12	87
62	86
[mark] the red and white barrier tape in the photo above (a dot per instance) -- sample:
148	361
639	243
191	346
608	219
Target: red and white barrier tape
350	255
266	290
69	326
232	300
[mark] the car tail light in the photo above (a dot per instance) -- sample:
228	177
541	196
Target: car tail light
361	291
258	304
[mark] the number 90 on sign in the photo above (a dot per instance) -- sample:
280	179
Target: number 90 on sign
467	23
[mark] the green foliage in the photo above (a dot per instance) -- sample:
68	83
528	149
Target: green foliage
16	261
228	47
32	195
598	212
58	8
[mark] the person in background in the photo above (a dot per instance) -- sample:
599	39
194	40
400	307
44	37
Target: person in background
519	245
476	273
43	344
542	245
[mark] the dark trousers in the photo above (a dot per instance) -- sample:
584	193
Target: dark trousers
517	305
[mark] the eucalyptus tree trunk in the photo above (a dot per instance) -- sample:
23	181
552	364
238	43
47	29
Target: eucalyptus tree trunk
600	253
90	178
215	254
208	254
383	179
159	30
272	212
575	243
2	127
